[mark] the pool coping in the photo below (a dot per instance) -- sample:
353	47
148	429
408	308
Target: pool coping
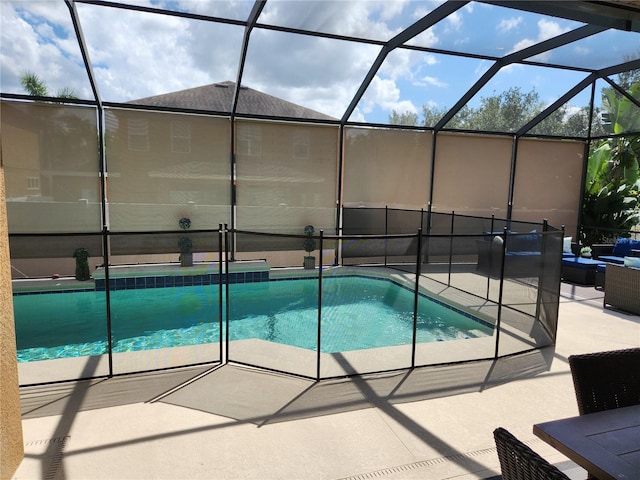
275	356
479	310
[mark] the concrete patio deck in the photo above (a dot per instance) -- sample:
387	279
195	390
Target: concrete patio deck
377	434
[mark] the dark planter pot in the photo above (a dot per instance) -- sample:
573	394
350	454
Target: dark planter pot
186	259
309	263
82	264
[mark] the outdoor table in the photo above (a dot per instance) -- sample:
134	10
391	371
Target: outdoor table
606	443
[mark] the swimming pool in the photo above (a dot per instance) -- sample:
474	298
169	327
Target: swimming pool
357	313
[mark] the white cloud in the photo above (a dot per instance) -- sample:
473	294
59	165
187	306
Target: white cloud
582	51
482	67
238	9
152	54
421	9
390	10
508	24
432	81
571	109
330	100
454	21
321	74
29	43
386	95
522	44
138	55
428	38
546	29
56	13
399	64
369	19
357	116
429	59
431	104
460	41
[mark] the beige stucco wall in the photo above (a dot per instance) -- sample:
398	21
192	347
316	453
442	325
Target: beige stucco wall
11	444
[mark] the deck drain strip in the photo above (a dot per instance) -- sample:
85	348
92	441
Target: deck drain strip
55	452
44	442
428	463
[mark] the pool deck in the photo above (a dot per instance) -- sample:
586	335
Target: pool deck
237	423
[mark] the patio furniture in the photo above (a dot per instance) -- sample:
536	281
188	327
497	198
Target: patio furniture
522	258
622	288
519	462
606	380
601	270
603	443
624	247
580	270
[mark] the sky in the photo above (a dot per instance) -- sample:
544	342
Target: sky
136	55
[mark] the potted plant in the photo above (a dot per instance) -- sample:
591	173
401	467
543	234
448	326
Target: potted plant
585	252
82	264
309	246
185	244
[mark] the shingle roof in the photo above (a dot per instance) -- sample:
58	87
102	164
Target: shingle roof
218	97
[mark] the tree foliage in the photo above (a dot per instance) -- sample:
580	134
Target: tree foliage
404	118
67	92
508	112
505	112
626	80
501	112
33	84
36	86
611	203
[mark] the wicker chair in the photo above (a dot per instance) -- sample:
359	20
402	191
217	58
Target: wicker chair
621	287
519	462
606	380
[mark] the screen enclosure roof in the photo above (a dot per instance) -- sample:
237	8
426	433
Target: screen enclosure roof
341	61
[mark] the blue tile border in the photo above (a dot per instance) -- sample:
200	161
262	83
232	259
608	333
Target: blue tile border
162	281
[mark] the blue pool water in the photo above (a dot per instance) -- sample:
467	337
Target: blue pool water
357	313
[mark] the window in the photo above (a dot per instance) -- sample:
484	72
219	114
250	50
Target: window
33	183
138	134
301	145
249	140
180	137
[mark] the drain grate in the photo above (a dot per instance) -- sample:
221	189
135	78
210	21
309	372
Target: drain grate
54	454
428	463
46	442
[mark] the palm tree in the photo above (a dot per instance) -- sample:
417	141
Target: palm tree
33	84
36	87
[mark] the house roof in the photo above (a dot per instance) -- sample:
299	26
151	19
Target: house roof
218	97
